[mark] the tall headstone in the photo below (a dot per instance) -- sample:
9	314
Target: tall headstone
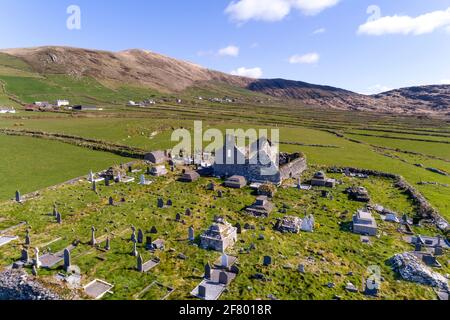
67	259
133	234
18	196
267	261
130	169
27	238
140	263
94	186
148	243
299	185
160	203
91	176
55	210
108	244
37	261
188	212
220	194
191	233
238	228
58	218
107	181
224	261
111	201
134	253
119	177
142	180
202	291
93	240
207	271
24	256
177	217
169	203
34	270
140	236
148	172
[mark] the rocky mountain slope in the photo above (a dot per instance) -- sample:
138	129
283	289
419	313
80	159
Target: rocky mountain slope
152	70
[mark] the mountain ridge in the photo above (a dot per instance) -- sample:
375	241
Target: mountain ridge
166	74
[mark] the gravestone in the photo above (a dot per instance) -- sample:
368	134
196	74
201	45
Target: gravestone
160	203
133	235
140	264
107	182
91	176
24	255
418	246
34	271
94	186
267	261
148	243
301	268
93	241
140	236
224	261
111	201
438	251
18	196
177	217
142	180
202	291
169	203
37	262
207	271
191	233
130	169
55	210
223	278
188	212
27	238
108	244
220	194
67	260
238	228
58	218
134	253
153	230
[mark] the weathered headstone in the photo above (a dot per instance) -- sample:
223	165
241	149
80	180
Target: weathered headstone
34	271
207	271
160	203
169	203
220	194
238	228
301	268
188	212
134	253
18	196
202	291
67	259
140	264
140	236
93	240
153	230
37	261
24	255
55	210
111	201
224	261
267	261
130	169
107	182
223	278
133	235
177	217
191	233
27	238
58	218
148	243
108	244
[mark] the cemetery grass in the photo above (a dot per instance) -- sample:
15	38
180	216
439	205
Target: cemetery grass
329	254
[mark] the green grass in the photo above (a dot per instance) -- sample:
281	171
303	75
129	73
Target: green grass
30	164
335	250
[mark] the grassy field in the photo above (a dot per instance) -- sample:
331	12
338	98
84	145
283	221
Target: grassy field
329	254
31	164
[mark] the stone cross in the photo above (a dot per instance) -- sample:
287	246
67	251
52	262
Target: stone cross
223	278
140	236
67	259
191	233
207	271
108	244
37	261
58	218
93	241
224	261
18	196
140	263
202	291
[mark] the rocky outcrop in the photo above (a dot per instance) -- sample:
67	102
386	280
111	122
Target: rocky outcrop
411	269
17	285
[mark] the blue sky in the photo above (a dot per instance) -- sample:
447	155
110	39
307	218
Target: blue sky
319	41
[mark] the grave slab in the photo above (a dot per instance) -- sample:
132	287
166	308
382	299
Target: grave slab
97	289
4	240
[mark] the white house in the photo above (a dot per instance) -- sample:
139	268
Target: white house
4	110
62	103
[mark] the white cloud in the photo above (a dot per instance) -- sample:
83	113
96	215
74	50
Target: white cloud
308	58
405	25
319	31
378	88
231	51
445	81
248	72
274	10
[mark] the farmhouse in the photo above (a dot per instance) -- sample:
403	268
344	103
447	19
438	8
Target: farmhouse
364	223
260	162
219	236
4	110
62	103
236	182
156	157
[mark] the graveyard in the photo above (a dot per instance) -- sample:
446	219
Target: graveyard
141	238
